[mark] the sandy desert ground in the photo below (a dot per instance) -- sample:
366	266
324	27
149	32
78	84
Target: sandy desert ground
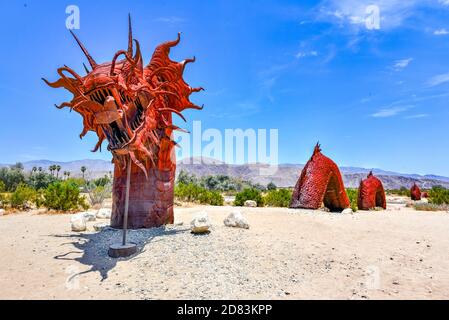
286	254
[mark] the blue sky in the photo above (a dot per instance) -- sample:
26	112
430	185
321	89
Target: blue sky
373	98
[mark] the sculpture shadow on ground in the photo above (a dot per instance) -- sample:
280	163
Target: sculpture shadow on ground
94	246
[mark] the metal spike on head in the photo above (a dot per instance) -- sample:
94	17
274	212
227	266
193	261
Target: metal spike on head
130	36
85	68
317	148
92	62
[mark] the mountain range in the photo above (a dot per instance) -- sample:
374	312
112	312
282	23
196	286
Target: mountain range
284	175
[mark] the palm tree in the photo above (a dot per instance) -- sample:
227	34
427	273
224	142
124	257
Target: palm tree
83	169
51	169
34	170
57	168
67	174
39	169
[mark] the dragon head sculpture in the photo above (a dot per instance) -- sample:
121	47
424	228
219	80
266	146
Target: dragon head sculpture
130	104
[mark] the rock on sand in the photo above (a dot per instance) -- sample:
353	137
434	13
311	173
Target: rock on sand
250	203
200	223
78	222
236	219
104	213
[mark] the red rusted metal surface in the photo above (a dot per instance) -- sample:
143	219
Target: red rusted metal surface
415	192
371	194
320	183
130	105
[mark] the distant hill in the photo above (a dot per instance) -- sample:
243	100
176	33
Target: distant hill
285	175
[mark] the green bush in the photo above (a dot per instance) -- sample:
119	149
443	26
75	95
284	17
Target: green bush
11	178
40	180
22	196
278	198
430	207
248	194
64	196
439	195
99	190
353	196
271	186
186	178
213	198
192	192
403	191
104	181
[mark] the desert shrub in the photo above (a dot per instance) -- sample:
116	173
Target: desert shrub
439	195
22	196
104	181
186	178
64	196
271	186
98	190
98	194
248	194
258	186
430	207
187	192
353	195
278	198
221	183
403	191
11	178
192	192
2	187
213	198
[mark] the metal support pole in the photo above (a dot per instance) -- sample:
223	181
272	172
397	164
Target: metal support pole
124	249
125	214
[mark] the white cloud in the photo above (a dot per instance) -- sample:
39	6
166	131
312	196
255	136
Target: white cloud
417	116
438	79
302	54
440	32
401	64
388	112
170	20
391	110
393	13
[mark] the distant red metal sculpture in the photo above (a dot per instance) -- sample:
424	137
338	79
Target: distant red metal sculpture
371	194
415	192
425	195
131	106
320	183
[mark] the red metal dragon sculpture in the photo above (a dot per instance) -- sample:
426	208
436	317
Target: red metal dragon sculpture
415	192
320	183
371	193
131	105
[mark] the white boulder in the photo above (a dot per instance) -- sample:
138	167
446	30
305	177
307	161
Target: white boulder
347	211
237	220
104	213
2	212
200	223
100	226
89	216
250	203
78	222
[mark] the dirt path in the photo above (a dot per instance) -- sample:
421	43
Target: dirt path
286	254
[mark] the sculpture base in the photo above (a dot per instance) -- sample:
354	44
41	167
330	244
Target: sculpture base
150	201
118	250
